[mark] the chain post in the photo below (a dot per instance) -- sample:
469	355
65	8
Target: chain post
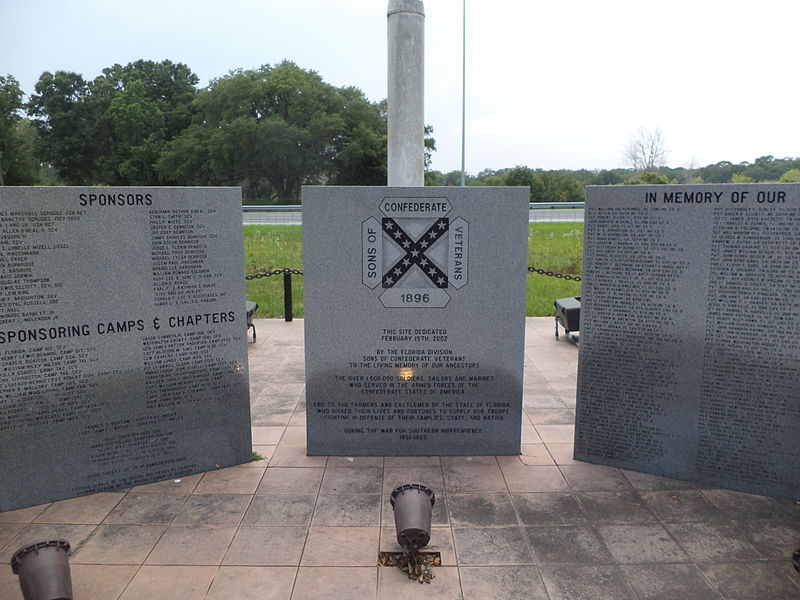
287	295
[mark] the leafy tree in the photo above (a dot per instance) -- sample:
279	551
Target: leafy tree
281	124
434	178
739	178
111	130
17	165
648	178
524	176
65	125
720	172
791	176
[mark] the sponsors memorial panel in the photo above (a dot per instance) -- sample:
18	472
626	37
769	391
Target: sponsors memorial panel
123	356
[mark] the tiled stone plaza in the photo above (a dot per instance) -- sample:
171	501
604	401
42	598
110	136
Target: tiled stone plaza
536	527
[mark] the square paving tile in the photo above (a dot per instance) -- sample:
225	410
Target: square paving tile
529	435
401	462
552	416
541	397
365	480
8	531
668	582
741	506
266	436
502	583
354	462
556	434
335	583
562	454
252	583
347	510
266	546
213	509
774	539
467	478
535	454
280	510
146	509
594	478
481	510
682	506
101	582
175	583
713	542
750	581
290	480
118	545
23	515
567	544
574	582
535	478
613	508
192	545
470	461
265	452
636	544
549	509
341	547
429	476
83	510
294	436
394	584
232	480
181	485
295	456
491	546
645	481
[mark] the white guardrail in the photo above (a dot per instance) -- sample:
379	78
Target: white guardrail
292	214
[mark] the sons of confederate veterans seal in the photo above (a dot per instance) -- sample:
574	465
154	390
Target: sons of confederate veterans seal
415	252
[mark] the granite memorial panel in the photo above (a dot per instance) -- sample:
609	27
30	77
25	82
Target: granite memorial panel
123	356
414	320
690	334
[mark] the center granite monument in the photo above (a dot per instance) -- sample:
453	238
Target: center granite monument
690	334
414	319
123	356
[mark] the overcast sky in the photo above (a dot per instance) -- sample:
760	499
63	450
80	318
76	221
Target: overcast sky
549	84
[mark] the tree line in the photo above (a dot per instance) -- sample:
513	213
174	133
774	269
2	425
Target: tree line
567	185
269	130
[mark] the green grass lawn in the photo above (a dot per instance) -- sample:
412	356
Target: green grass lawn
554	247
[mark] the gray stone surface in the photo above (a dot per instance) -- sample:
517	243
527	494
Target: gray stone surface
401	362
122	338
690	334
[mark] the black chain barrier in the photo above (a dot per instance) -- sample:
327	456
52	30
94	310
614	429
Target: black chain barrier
287	282
553	274
287	287
284	271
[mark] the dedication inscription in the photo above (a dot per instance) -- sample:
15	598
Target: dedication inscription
690	342
123	356
415	320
